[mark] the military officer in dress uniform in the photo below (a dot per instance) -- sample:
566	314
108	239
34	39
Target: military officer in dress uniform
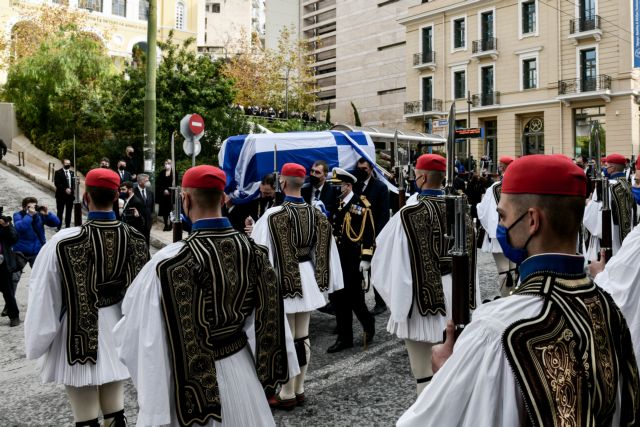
558	350
354	232
411	268
78	282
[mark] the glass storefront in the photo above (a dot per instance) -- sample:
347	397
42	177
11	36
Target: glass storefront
533	136
582	119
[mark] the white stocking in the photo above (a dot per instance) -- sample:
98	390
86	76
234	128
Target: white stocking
85	403
420	361
299	324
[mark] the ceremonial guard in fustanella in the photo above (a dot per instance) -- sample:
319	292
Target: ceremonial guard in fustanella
204	332
412	268
305	258
78	281
621	201
488	217
355	236
558	350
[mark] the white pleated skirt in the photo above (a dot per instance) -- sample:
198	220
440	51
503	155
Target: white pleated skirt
241	395
312	298
108	368
424	328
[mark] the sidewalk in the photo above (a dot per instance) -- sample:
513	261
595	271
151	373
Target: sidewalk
36	171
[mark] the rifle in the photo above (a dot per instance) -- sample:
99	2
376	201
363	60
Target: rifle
275	168
77	205
602	189
177	219
456	212
632	173
402	197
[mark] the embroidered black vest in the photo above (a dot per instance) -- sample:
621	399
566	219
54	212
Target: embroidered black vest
209	289
299	233
567	359
622	207
425	227
497	190
96	266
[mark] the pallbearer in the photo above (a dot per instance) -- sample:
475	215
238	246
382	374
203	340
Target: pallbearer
75	293
621	201
488	217
307	266
412	268
558	350
203	329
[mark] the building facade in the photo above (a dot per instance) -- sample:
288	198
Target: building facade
119	24
280	14
534	74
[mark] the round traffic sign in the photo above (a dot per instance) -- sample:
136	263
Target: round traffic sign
196	124
187	147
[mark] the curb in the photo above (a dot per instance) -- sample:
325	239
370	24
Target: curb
153	241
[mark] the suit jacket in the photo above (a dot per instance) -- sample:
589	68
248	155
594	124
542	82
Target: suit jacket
149	205
328	196
126	176
61	183
255	209
377	194
137	223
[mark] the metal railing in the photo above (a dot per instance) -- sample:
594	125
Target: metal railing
590	84
424	58
484	45
486	98
582	25
423	106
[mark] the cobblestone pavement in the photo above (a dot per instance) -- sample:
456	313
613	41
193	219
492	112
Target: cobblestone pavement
355	387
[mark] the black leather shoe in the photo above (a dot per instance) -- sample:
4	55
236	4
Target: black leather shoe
339	346
378	309
328	309
14	322
368	337
5	313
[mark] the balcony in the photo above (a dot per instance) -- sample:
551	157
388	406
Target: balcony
584	29
424	108
598	87
485	48
486	99
425	60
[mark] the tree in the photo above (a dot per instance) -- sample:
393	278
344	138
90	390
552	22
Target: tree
356	116
328	117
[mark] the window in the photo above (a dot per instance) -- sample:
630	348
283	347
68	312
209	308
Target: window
529	73
486	26
588	70
427	94
528	17
459	84
533	136
582	120
459	37
92	5
119	7
180	15
213	7
143	10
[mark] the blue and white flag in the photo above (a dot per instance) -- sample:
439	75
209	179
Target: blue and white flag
246	159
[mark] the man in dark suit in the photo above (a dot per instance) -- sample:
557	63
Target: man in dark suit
377	194
243	216
146	195
124	174
132	211
319	189
65	181
131	162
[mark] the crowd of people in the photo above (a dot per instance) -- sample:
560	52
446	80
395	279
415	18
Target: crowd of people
215	328
271	113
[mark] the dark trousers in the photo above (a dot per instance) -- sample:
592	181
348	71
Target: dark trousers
7	287
351	299
15	279
64	205
379	301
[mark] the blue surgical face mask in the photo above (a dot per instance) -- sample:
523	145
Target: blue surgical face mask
123	195
516	255
605	172
636	194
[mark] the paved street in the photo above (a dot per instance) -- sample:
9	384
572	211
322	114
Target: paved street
352	388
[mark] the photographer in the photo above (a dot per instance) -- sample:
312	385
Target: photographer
133	208
8	237
29	223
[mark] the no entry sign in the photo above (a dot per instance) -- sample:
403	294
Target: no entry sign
196	124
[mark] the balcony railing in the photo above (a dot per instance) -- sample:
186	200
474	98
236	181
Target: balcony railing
426	57
485	45
591	84
583	25
486	98
424	106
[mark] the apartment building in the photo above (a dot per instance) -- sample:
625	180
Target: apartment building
224	26
533	73
119	24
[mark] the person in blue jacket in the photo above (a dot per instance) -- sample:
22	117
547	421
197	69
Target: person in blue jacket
30	222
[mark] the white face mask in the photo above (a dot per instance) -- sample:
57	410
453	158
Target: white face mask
147	184
167	166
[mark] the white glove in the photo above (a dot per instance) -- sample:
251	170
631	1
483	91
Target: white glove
365	266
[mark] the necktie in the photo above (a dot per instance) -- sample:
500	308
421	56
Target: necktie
144	195
121	175
317	195
68	178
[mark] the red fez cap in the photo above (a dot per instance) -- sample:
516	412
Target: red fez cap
204	176
102	178
431	162
638	163
544	175
617	159
506	160
293	169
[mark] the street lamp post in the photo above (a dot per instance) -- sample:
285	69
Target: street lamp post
150	95
469	103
